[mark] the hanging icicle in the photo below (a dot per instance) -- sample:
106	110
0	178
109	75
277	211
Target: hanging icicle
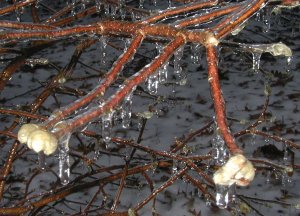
126	110
169	4
98	5
152	83
107	10
177	57
195	53
107	123
83	4
122	10
73	9
64	159
103	51
141	3
285	177
42	160
222	196
179	73
163	70
256	61
220	152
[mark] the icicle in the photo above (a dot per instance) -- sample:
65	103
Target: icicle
122	11
107	121
140	122
288	61
285	178
177	57
181	75
154	2
163	70
175	167
64	159
19	13
37	3
133	17
141	3
127	42
266	20
103	52
152	84
42	160
163	73
170	4
222	196
98	5
253	139
195	53
73	9
113	11
126	110
256	61
107	9
268	177
219	149
83	4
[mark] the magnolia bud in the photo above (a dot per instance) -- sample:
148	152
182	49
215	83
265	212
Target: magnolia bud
25	130
238	170
42	140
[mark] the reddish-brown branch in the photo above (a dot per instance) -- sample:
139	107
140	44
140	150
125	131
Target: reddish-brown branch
127	87
161	188
100	90
7	167
179	10
207	17
229	24
78	187
219	103
16	6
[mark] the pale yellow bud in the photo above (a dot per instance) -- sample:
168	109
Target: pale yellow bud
25	130
238	170
42	140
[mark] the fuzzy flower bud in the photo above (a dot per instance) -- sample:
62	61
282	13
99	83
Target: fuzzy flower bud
37	138
238	170
25	130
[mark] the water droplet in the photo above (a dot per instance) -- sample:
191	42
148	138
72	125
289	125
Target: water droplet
64	159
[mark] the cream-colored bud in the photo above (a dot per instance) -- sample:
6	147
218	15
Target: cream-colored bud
42	140
25	130
238	170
